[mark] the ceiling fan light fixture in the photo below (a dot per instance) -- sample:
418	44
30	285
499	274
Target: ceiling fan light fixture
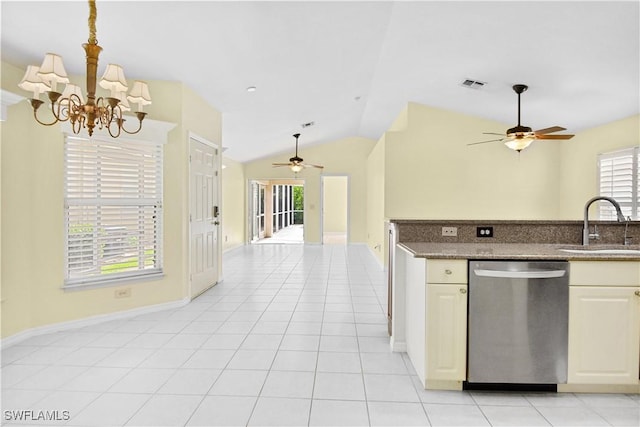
519	143
296	163
520	137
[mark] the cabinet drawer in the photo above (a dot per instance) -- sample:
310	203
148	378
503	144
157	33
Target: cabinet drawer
604	273
446	271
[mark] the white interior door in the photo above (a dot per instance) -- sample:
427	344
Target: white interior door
204	216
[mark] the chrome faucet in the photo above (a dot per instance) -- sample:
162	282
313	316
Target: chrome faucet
585	228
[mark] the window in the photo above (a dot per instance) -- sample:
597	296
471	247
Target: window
113	210
619	179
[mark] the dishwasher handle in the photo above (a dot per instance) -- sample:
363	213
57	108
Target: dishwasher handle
520	274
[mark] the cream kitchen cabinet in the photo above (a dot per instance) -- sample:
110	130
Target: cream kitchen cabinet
446	331
436	321
604	322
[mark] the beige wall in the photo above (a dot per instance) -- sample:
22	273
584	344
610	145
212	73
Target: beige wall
429	172
432	173
234	215
578	172
335	204
32	213
346	156
376	197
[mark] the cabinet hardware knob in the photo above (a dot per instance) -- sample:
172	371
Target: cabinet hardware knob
463	291
447	271
637	293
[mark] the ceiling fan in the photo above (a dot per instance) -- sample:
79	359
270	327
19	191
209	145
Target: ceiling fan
296	163
520	137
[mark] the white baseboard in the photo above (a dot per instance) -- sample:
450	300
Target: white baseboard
233	248
375	256
88	321
397	346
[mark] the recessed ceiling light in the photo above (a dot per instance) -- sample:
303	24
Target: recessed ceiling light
251	89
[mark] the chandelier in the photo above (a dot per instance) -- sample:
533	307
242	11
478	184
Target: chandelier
70	106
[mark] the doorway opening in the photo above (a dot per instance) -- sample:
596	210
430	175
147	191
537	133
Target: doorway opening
335	210
276	211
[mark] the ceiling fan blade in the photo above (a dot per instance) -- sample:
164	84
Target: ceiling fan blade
484	142
492	133
277	165
548	130
554	136
308	165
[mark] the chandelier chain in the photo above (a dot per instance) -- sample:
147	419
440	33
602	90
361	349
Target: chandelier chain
92	22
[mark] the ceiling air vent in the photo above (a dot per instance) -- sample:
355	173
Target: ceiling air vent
306	125
473	84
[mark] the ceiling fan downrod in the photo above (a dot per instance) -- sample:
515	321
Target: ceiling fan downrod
519	129
296	159
296	136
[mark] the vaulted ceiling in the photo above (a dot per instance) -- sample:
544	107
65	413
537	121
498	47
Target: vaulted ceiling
351	67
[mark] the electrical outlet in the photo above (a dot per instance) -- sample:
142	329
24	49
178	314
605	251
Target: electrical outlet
122	293
484	231
450	231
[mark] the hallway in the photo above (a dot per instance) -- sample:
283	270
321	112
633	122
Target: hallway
292	234
294	335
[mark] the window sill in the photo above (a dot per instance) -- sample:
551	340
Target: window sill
111	282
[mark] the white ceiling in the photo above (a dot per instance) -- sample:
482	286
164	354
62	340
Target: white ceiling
351	67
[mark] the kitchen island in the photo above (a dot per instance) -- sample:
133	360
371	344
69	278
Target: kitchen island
430	297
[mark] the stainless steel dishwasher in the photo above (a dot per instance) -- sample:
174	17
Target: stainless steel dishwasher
518	317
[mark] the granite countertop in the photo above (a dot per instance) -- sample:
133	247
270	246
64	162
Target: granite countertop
516	251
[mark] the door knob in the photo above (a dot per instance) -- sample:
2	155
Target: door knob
463	291
637	293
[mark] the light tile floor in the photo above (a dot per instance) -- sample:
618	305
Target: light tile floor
294	335
293	234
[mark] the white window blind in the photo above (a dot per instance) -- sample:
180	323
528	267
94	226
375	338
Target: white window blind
113	210
618	178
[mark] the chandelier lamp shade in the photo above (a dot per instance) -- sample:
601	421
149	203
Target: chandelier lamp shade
70	105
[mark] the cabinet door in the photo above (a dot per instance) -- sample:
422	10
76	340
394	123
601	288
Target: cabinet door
604	335
446	331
